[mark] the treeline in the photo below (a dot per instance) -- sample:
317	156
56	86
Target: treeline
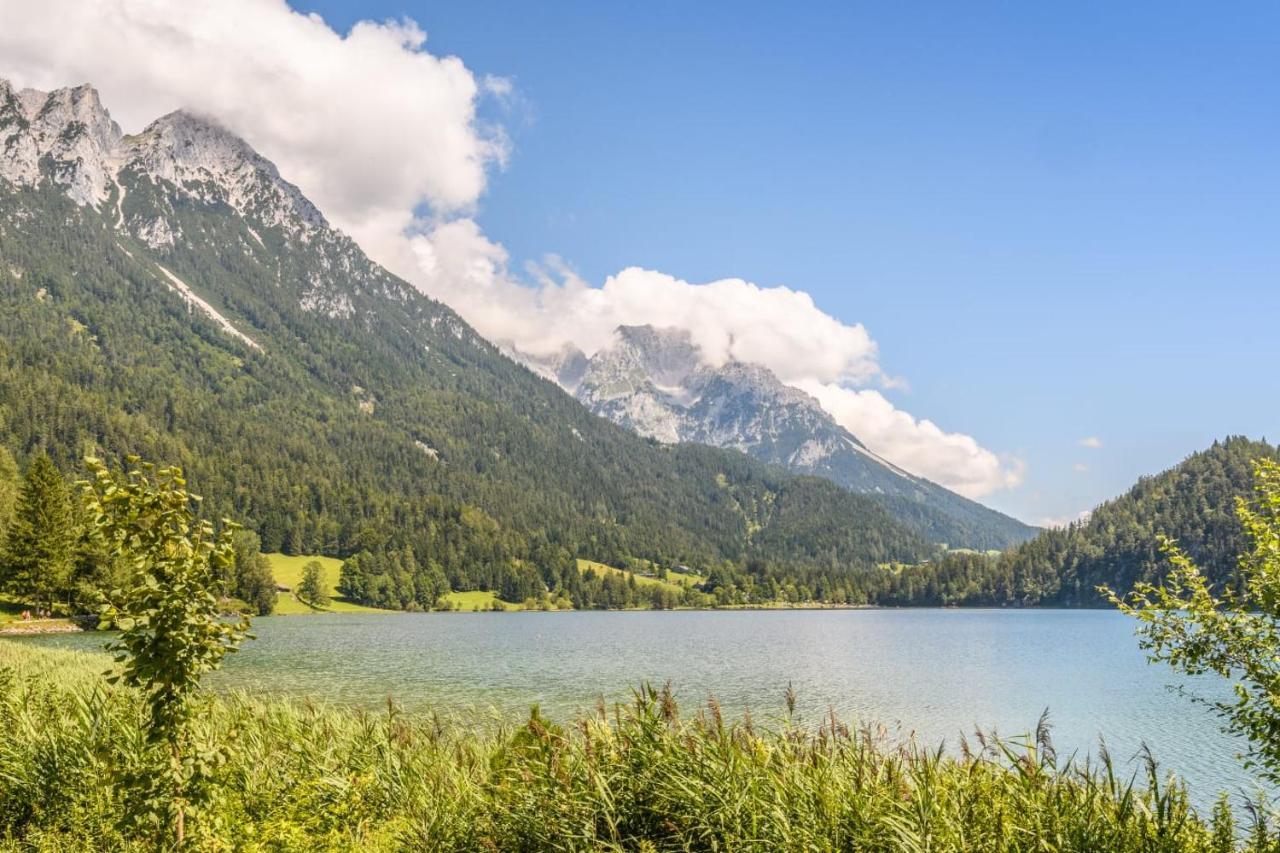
49	561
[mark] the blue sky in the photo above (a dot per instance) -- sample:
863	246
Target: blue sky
1056	220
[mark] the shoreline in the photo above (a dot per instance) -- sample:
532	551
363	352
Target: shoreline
34	627
65	625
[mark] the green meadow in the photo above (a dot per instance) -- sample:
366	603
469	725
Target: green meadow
675	581
287	571
477	599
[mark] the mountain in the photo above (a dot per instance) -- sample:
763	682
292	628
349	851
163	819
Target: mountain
658	383
170	294
1193	503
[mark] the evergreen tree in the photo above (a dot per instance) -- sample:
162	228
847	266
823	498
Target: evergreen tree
250	578
10	483
40	546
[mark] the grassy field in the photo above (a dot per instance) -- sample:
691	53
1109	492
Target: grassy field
645	776
288	571
479	600
675	582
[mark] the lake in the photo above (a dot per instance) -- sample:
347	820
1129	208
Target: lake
935	673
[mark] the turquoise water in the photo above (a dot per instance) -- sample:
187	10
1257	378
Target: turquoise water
934	673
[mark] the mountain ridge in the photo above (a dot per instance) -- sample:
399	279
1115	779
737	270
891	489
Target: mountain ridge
367	416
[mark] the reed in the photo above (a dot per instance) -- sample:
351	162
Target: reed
296	775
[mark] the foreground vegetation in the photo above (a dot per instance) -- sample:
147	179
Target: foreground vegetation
293	776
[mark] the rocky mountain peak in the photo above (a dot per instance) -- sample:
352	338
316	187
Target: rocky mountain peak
65	135
669	356
68	138
208	161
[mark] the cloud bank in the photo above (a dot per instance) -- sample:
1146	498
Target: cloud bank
386	139
953	459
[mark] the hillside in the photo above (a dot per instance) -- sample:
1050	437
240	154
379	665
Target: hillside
1192	503
658	383
169	294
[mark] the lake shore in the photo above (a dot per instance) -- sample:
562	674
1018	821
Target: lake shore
641	774
937	673
33	627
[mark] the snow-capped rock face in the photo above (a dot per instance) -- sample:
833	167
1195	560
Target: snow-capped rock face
658	382
147	185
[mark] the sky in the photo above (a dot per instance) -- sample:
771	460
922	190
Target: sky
1028	250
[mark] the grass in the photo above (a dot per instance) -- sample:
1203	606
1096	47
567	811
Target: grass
287	570
479	600
640	776
676	580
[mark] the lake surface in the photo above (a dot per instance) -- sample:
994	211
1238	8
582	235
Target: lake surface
935	673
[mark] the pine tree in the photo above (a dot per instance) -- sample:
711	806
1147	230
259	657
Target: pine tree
40	547
10	483
249	576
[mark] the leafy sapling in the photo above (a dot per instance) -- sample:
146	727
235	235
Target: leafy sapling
1234	632
171	627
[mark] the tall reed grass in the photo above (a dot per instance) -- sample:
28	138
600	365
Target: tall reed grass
301	776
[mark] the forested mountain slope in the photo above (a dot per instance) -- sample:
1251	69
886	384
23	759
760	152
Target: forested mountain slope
169	294
1193	503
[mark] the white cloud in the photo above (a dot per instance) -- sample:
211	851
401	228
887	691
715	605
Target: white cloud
1092	442
730	319
954	460
384	137
1080	468
1064	520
